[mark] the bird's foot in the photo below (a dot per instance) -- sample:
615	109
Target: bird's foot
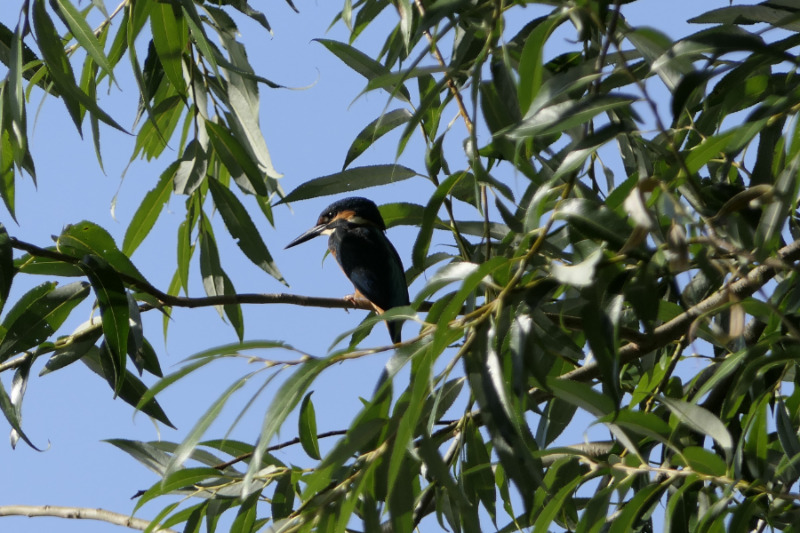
351	299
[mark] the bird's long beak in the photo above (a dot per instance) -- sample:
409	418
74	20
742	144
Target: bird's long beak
307	236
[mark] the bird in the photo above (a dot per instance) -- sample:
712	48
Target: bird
358	242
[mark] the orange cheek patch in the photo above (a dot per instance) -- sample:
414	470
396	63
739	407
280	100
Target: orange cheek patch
345	215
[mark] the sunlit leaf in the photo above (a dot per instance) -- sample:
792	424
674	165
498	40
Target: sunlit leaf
170	35
85	237
701	420
83	34
148	212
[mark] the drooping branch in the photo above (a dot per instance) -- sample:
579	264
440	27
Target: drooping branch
80	513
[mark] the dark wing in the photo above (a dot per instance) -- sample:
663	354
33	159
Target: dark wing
373	266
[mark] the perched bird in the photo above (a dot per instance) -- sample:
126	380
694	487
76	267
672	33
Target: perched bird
359	244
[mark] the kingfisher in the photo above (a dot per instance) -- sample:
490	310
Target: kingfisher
359	244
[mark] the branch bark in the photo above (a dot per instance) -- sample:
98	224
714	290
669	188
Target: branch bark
83	513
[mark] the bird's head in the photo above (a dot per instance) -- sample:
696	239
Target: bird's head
354	210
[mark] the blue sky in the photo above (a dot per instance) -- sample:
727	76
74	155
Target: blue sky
308	132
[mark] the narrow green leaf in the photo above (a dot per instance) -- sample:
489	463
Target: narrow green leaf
582	395
258	16
161	122
243	122
215	281
150	456
184	478
242	229
284	402
84	338
643	423
60	70
531	65
131	389
637	507
87	238
404	492
149	359
510	434
429	219
787	435
349	180
711	147
56	61
701	420
246	516
477	476
6	266
170	36
84	35
556	505
704	461
205	357
782	14
595	220
187	447
581	274
46	266
192	166
408	413
776	212
198	34
363	64
282	501
10	413
7	152
402	214
308	428
243	170
113	303
19	384
374	131
756	443
38	314
148	211
185	250
564	115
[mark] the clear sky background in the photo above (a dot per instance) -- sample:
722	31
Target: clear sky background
308	133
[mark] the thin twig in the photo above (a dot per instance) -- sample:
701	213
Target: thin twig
286	444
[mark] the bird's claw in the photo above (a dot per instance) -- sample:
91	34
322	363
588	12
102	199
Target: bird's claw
351	299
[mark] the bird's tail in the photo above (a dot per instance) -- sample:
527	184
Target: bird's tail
395	328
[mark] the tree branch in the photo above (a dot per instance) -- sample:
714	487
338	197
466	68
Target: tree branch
81	513
679	326
170	300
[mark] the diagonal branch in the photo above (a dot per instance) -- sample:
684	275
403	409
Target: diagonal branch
677	327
